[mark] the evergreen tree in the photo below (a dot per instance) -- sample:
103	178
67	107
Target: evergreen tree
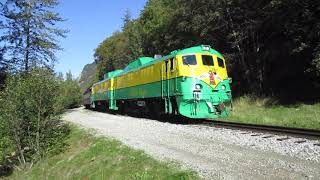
126	19
29	34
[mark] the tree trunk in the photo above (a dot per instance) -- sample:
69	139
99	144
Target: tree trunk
38	125
27	53
18	144
38	131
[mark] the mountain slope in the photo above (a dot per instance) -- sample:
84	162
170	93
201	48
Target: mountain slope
87	76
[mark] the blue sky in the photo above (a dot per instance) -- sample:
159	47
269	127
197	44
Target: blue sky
89	23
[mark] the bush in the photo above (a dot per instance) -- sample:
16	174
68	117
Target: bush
29	117
70	93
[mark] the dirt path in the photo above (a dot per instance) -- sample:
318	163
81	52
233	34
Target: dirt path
214	153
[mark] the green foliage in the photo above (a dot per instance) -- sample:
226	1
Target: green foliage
117	51
30	101
257	38
70	93
6	142
101	158
30	117
133	46
110	54
267	111
29	33
315	68
156	20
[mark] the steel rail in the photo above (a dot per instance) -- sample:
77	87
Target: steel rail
269	128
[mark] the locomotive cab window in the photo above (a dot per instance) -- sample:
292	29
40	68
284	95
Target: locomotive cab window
172	65
189	60
207	60
220	62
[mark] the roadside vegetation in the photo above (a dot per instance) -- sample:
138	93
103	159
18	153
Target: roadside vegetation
90	157
70	92
32	96
268	111
30	108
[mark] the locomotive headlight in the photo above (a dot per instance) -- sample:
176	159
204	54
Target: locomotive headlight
223	87
206	48
198	86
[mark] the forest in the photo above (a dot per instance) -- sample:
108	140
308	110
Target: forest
272	47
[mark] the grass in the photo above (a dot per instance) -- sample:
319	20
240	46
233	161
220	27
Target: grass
90	157
267	111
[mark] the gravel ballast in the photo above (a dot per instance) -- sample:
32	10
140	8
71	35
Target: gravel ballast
214	153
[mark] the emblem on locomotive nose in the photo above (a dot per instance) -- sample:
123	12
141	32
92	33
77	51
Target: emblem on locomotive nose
211	77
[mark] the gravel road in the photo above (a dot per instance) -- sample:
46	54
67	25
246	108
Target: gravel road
214	153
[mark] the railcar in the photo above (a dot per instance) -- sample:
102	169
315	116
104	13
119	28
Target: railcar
86	98
191	82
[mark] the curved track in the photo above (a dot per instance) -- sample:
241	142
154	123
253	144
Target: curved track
310	133
265	128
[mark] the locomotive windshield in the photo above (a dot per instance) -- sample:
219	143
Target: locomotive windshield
207	60
220	62
189	60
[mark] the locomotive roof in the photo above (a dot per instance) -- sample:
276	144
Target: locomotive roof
197	49
146	61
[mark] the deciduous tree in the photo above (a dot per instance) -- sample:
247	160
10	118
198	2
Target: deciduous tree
30	115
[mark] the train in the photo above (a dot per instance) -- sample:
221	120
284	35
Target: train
191	82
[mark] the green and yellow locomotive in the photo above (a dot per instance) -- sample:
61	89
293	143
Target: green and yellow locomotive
192	82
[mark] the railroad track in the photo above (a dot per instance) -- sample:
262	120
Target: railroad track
265	128
254	127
